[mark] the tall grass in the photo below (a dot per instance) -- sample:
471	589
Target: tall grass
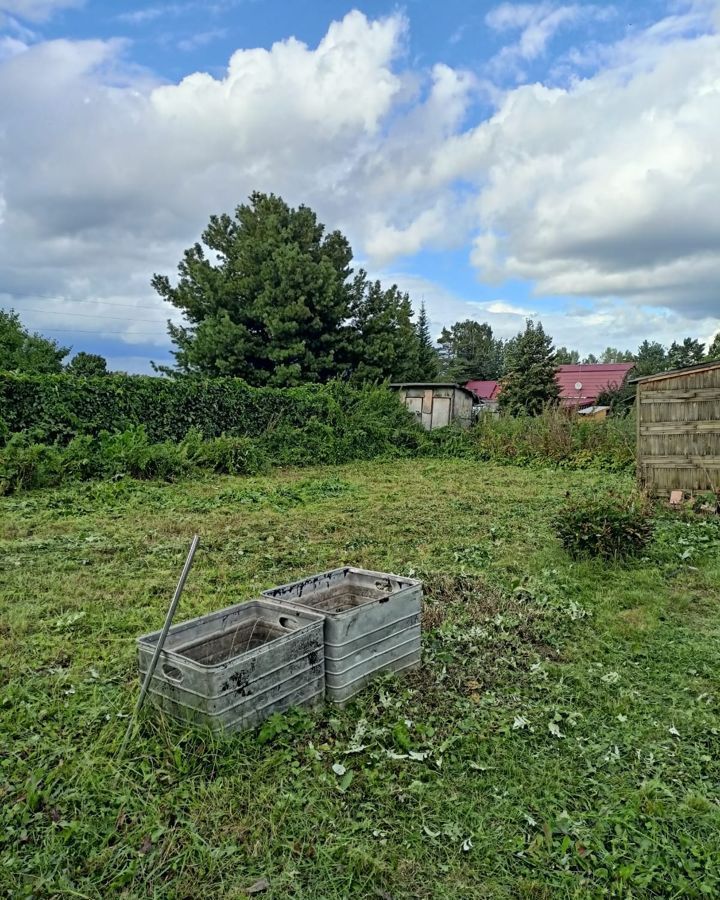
554	438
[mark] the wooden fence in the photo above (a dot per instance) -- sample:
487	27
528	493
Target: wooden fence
678	430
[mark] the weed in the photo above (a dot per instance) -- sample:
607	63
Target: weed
608	528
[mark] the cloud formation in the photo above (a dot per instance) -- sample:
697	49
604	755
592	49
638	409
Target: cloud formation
604	188
35	10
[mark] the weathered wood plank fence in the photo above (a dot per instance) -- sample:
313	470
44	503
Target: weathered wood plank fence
678	430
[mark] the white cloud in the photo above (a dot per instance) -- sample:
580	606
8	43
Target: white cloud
590	327
605	188
537	24
36	10
500	308
107	175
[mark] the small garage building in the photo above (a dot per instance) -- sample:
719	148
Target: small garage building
437	405
678	430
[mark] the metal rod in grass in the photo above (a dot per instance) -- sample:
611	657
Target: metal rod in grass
160	644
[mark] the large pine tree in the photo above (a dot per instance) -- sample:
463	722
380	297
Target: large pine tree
266	296
530	384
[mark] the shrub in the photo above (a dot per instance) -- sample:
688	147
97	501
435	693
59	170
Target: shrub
225	455
132	453
25	464
603	527
81	459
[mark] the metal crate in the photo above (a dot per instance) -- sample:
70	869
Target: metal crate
372	624
231	669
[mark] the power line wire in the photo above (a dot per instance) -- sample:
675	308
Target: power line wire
58	312
101	302
100	333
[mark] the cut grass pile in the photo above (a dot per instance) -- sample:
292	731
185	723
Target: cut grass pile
560	740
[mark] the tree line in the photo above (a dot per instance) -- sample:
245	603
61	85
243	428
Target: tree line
469	350
267	295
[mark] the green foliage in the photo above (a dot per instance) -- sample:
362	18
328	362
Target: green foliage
132	453
469	350
556	439
713	351
614	355
87	365
450	443
688	353
565	357
428	361
529	385
605	527
56	408
331	425
651	358
21	351
272	308
225	455
25	464
620	398
386	343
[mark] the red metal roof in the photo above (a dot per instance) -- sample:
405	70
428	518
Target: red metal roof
483	390
593	380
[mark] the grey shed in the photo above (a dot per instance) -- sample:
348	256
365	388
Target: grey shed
436	405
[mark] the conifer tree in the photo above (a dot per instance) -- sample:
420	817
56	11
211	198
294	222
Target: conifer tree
428	364
530	384
266	296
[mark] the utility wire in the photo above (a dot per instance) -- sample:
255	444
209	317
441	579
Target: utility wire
98	333
58	312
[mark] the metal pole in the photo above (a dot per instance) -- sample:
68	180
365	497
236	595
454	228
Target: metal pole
160	643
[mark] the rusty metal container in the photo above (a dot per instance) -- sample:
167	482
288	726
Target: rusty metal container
231	669
372	624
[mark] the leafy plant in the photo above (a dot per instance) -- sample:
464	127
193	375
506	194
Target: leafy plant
225	455
605	527
25	464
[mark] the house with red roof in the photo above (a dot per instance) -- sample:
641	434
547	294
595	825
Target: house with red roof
580	385
486	392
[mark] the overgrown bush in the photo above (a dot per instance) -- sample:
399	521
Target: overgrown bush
25	464
610	528
132	453
225	455
556	438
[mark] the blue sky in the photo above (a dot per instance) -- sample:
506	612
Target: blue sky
497	160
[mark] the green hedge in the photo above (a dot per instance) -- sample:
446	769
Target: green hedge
57	408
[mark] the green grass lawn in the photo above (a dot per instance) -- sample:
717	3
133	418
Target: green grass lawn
561	739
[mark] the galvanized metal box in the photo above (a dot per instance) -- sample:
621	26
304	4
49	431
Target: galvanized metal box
231	669
372	624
